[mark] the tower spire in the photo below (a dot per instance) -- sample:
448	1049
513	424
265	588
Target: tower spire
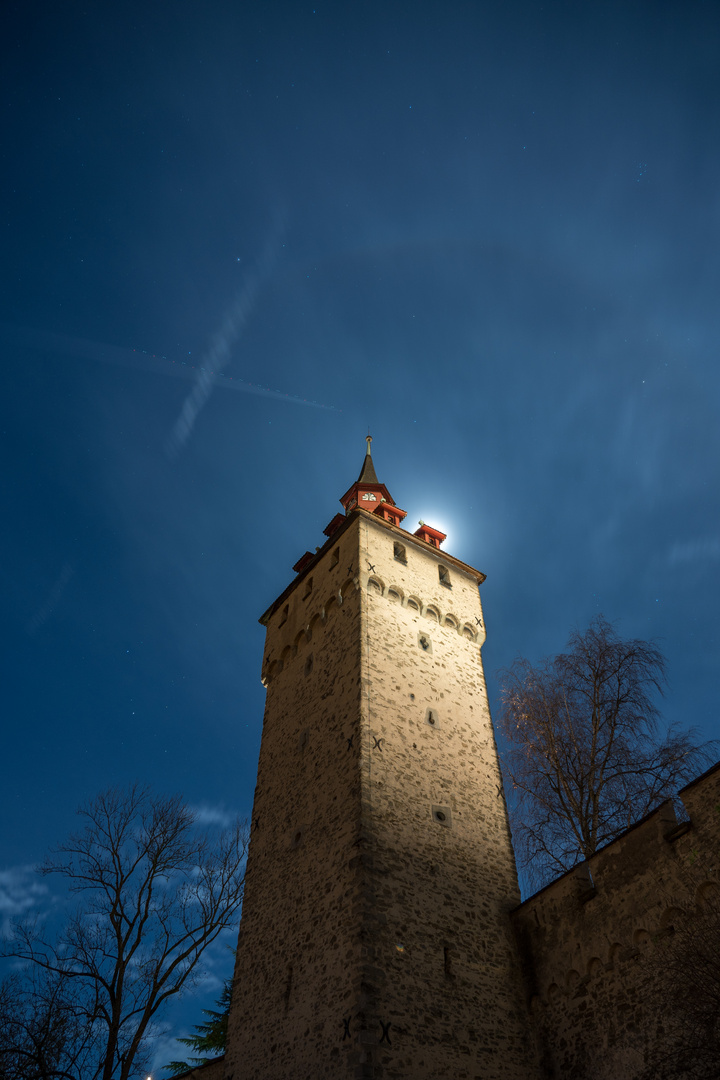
368	493
367	473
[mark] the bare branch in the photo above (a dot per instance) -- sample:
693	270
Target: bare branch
584	749
153	893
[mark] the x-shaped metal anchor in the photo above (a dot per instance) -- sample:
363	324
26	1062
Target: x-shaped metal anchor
371	568
346	1032
350	742
385	1029
376	743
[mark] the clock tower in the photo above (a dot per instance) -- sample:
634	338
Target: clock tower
375	939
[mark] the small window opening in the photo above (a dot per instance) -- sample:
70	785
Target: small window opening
399	552
444	574
308	588
284	616
424	643
309	664
335	557
442	815
432	718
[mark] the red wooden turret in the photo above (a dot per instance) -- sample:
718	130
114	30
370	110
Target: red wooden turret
430	536
368	493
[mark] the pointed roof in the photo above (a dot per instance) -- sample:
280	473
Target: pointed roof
367	473
367	481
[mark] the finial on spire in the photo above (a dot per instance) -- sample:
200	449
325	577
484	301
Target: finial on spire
368	440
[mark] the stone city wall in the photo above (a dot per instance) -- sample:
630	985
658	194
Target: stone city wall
594	940
213	1070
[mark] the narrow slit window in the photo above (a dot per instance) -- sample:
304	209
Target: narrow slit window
308	588
284	616
432	718
444	574
399	552
335	558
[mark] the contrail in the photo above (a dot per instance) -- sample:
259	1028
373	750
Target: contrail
43	614
218	353
42	341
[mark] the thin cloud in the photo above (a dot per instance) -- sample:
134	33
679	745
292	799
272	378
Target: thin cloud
212	815
20	892
702	550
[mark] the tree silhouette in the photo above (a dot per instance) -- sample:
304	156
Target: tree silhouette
584	751
211	1035
152	893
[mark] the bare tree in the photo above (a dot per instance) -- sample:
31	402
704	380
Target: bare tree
153	892
583	747
44	1033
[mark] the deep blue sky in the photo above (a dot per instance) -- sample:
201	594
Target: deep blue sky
487	231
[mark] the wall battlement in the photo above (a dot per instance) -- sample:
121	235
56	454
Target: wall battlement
588	937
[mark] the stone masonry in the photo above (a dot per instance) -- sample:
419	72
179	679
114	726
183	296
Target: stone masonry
382	934
596	940
375	938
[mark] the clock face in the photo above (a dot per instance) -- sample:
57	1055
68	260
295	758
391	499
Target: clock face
369	497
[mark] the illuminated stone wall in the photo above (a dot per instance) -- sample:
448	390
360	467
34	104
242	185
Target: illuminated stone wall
596	940
376	939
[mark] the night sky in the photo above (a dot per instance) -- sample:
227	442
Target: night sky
488	233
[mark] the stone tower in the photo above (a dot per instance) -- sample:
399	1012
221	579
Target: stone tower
375	939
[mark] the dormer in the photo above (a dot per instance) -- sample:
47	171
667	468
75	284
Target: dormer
430	536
